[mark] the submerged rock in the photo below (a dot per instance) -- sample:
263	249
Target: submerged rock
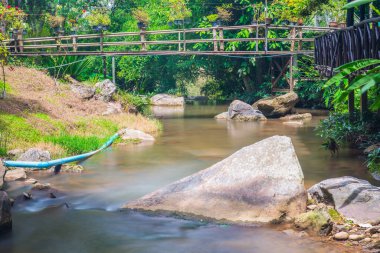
35	155
5	213
167	100
105	90
15	174
241	111
277	106
223	115
133	134
259	183
303	116
354	198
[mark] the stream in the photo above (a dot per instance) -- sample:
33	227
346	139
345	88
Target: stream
191	141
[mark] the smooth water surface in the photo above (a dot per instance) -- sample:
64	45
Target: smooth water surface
191	141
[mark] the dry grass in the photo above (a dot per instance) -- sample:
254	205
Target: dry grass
40	106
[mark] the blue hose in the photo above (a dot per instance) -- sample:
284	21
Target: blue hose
52	163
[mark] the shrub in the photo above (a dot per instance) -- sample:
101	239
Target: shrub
76	144
130	100
373	161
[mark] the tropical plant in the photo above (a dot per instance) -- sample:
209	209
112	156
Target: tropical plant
356	3
373	161
55	21
13	16
367	76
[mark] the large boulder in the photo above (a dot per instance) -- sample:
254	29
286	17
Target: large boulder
113	108
82	91
277	106
5	213
105	90
241	111
167	100
259	183
354	198
35	155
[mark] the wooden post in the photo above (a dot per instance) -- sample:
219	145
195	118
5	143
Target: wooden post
75	46
179	41
266	39
113	70
351	96
184	40
257	36
105	67
292	46
300	35
363	96
214	37
221	37
142	39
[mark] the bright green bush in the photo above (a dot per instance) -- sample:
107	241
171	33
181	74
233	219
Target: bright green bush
76	144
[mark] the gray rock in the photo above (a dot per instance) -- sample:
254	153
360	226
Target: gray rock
277	106
223	115
15	153
341	236
356	237
15	174
5	213
105	90
2	172
132	134
167	100
83	92
241	111
354	198
35	155
262	182
113	108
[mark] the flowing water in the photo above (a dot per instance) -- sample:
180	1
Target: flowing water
191	141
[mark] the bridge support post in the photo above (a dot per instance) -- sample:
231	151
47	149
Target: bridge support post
221	39
113	70
351	96
143	40
215	39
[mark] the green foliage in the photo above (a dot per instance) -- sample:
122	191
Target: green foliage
356	3
73	66
19	128
373	161
340	87
357	133
129	100
99	16
141	15
76	144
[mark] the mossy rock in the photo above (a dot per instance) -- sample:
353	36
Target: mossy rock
317	221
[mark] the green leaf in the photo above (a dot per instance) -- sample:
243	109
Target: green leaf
356	3
363	80
348	69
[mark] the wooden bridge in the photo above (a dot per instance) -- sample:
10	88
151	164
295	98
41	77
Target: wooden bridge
250	40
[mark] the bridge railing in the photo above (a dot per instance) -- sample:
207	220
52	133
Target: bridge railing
213	40
358	42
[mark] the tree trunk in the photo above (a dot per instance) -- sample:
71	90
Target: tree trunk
248	84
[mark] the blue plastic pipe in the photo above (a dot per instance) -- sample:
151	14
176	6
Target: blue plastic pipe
52	163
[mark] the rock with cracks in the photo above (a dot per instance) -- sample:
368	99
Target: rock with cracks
259	183
82	91
35	155
5	213
2	172
167	100
277	106
354	198
105	90
241	111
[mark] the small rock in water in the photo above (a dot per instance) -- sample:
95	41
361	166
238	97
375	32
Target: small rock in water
341	236
27	195
355	237
30	181
39	186
52	195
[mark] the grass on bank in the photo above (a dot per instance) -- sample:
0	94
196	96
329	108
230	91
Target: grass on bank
64	138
